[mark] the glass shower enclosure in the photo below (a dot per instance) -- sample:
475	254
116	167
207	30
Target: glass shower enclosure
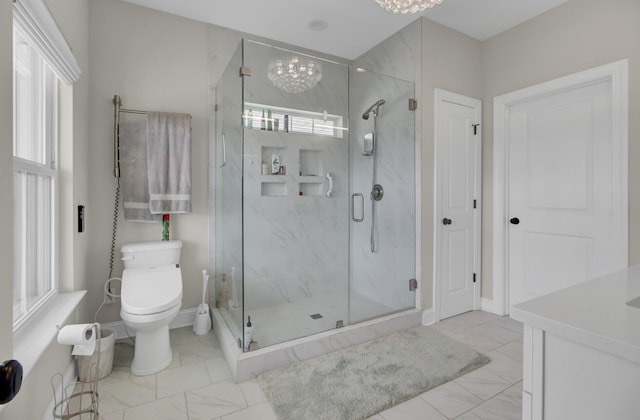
301	245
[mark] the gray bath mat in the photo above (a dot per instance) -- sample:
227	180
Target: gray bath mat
360	381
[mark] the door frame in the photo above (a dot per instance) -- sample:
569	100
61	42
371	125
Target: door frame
617	73
441	96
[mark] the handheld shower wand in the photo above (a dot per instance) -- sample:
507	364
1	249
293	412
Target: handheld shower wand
370	149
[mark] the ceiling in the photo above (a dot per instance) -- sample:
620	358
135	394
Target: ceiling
352	26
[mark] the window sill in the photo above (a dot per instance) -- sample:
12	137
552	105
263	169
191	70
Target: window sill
34	336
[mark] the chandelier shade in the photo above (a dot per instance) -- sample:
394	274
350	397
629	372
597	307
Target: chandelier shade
294	74
407	6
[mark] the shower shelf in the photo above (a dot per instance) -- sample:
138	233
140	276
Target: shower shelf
311	189
273	189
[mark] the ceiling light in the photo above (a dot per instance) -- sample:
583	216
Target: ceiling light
294	74
407	6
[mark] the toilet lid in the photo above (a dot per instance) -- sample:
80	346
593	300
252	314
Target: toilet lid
149	291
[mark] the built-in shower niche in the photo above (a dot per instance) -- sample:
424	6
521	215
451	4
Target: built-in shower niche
310	163
311	189
267	155
273	189
311	172
273	183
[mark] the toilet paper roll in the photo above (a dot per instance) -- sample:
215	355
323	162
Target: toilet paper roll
80	336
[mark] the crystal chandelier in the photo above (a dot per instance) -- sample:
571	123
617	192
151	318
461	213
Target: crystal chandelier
407	6
294	74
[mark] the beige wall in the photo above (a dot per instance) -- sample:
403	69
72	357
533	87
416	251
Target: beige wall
575	36
6	178
154	61
450	61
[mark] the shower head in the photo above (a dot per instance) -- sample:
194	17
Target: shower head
373	108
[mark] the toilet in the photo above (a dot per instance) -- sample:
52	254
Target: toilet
151	297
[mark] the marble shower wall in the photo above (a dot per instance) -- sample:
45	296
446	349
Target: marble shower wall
391	66
397	56
295	246
383	275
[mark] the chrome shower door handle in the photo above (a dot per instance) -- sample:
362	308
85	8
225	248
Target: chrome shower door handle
353	207
224	152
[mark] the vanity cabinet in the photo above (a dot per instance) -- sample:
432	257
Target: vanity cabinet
581	357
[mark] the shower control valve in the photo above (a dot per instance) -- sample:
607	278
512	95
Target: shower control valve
377	192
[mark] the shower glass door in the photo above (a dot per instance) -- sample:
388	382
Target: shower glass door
383	243
228	201
296	194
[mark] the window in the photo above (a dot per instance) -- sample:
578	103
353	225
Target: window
256	116
35	117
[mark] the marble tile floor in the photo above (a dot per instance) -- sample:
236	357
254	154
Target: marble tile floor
198	385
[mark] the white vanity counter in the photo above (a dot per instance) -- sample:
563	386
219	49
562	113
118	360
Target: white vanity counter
582	350
592	313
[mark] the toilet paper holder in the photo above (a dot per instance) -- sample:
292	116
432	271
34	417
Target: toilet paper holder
85	400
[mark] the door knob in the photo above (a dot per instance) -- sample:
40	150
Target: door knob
10	380
446	221
514	221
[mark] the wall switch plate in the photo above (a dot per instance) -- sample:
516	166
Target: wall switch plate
81	218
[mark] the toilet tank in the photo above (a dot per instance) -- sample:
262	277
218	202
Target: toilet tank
151	254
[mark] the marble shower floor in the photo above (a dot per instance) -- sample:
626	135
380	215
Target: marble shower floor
285	322
199	386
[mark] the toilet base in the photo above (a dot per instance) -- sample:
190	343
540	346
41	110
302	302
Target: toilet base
152	352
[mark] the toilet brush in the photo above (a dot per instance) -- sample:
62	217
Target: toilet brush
202	323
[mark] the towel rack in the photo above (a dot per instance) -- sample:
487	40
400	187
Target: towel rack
117	109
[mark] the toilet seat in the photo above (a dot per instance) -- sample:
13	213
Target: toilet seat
151	290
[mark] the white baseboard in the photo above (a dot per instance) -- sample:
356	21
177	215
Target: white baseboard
69	379
488	305
184	318
428	317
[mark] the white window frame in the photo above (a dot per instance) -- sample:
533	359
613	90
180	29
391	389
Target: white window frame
48	128
34	20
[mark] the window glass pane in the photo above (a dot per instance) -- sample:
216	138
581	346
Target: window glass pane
257	117
324	128
32	237
29	101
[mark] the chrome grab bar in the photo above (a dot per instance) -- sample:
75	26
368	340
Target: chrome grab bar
329	192
353	207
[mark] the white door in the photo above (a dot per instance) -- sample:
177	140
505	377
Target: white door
561	184
458	149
